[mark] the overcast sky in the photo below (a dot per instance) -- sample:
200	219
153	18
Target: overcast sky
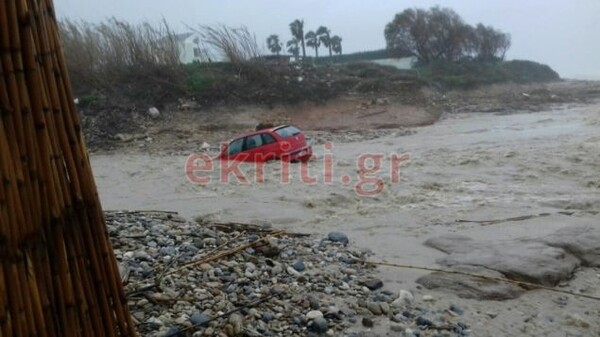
564	34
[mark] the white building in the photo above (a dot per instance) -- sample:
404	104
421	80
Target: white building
190	48
399	63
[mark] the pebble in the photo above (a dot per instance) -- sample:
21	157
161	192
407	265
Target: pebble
319	325
423	322
405	298
456	309
367	322
199	318
324	288
313	314
385	308
374	307
292	271
428	298
174	332
397	327
299	265
373	284
237	322
267	317
338	237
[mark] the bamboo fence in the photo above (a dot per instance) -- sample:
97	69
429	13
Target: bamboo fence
58	274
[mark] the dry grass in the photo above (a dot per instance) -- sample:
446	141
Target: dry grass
98	55
236	45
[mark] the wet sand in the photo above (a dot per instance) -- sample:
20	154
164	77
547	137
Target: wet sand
468	166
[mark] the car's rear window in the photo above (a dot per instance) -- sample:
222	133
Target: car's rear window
287	131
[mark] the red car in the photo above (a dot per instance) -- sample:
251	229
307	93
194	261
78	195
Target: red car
280	143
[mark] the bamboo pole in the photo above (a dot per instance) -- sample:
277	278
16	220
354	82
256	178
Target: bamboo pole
58	274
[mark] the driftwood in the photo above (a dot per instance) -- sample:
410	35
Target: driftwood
370	114
516	218
229	227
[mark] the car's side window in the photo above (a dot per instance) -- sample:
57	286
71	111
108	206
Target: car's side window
235	146
267	138
253	141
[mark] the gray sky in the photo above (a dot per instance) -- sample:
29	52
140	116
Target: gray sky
564	34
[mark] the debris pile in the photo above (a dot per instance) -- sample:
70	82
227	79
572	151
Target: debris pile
188	279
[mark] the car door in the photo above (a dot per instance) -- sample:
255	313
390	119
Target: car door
271	149
253	147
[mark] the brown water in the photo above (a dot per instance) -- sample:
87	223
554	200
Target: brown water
467	166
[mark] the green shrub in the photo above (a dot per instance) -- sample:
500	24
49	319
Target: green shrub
471	73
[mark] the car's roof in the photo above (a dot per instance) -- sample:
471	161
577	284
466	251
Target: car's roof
252	133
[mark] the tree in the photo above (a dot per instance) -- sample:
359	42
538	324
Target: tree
273	44
297	29
336	44
294	48
324	35
312	40
441	34
437	33
487	43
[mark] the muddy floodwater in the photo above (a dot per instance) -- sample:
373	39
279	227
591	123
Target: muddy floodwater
463	172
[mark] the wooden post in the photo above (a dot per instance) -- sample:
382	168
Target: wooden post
58	273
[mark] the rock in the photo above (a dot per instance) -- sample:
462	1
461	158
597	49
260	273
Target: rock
338	237
385	308
428	298
491	314
153	112
299	265
319	325
374	307
174	332
206	267
405	298
581	241
367	322
199	319
397	327
521	260
314	302
237	322
125	137
456	309
576	321
292	271
373	284
313	314
472	287
267	317
423	322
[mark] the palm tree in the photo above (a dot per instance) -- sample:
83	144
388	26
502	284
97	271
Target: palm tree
273	44
297	29
312	40
293	48
336	44
325	37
